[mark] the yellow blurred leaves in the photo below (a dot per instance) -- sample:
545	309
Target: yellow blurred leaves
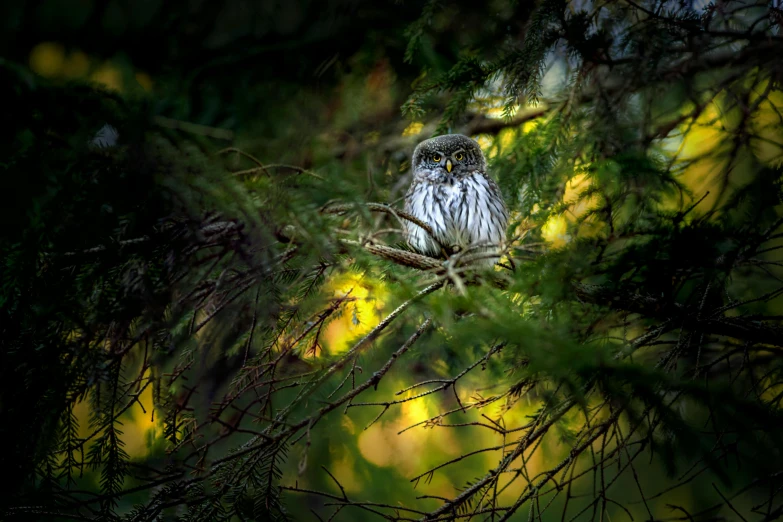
358	314
344	467
571	195
378	445
383	445
108	76
554	231
502	143
413	129
485	142
505	139
47	59
50	60
144	80
140	425
702	135
497	112
709	149
703	150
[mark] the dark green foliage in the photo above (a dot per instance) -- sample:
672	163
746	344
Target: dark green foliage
634	341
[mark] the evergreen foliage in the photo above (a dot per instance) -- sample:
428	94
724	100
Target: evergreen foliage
190	276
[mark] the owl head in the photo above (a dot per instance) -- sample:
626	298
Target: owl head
448	155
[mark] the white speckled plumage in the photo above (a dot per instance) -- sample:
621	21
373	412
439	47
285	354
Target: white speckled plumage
463	207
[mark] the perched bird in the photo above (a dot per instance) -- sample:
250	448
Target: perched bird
452	193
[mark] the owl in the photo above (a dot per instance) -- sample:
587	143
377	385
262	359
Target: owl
452	193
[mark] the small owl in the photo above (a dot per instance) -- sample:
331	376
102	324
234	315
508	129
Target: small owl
453	194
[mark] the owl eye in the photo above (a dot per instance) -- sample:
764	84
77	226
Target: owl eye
436	158
459	156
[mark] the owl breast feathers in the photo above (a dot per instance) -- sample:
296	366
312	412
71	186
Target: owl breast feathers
452	193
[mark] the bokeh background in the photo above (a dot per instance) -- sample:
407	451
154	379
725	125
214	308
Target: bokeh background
638	145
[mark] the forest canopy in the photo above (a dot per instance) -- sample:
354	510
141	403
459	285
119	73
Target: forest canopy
208	309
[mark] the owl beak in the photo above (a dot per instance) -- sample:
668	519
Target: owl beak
449	166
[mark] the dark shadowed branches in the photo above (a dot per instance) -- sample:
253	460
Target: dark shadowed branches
624	361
